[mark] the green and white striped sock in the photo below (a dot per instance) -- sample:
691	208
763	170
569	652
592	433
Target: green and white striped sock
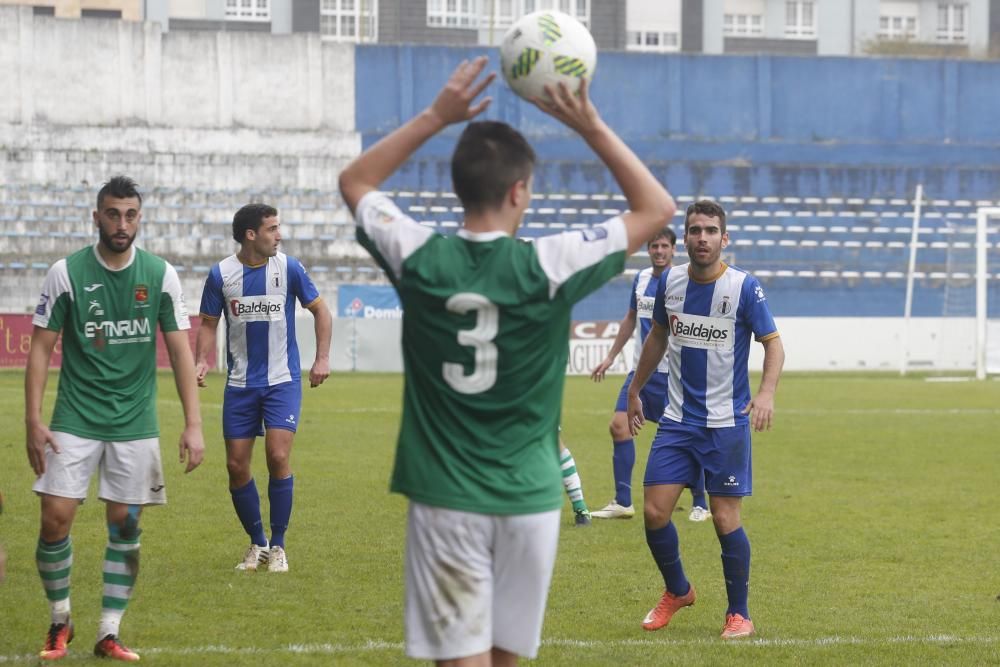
54	564
121	566
571	480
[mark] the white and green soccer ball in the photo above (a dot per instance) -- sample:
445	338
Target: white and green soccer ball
547	47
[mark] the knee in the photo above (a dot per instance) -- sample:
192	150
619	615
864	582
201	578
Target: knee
277	461
54	527
239	471
726	517
655	517
618	428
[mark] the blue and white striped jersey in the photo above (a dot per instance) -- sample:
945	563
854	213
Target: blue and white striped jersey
259	304
643	296
710	326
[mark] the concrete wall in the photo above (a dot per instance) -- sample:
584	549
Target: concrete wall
220	109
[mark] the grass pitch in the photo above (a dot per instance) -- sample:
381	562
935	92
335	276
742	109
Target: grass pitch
873	525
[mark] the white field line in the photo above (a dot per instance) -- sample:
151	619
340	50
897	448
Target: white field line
778	411
376	646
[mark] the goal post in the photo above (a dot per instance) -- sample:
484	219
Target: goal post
985	361
949	275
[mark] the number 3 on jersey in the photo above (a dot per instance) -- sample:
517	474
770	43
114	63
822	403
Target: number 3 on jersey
480	337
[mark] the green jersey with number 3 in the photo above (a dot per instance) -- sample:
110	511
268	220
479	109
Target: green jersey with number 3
485	339
108	319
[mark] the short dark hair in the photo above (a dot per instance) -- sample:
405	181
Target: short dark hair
251	217
665	233
120	187
489	158
709	208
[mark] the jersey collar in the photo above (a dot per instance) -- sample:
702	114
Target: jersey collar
481	237
710	280
100	260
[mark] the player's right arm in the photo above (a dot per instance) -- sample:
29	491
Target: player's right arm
625	329
210	310
650	205
454	104
204	347
38	435
652	353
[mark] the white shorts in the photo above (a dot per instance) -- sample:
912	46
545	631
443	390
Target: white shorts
131	472
476	581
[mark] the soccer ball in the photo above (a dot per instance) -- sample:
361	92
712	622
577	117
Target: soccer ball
547	47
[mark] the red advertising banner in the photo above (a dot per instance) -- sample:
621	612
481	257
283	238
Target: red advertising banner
15	341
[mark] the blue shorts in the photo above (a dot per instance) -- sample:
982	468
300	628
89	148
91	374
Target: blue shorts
653	395
680	451
244	409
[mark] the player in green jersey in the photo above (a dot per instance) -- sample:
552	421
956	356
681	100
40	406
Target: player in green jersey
484	350
107	300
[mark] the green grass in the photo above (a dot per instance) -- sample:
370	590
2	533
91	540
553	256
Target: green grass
873	526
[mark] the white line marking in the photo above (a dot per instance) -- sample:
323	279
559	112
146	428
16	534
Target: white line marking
374	645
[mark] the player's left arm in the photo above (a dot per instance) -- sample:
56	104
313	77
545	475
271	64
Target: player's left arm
757	315
761	406
323	323
192	443
455	103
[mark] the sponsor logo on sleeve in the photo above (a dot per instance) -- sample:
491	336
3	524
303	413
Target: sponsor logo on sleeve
595	234
759	291
707	333
43	305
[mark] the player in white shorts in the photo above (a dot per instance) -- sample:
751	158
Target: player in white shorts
484	350
107	300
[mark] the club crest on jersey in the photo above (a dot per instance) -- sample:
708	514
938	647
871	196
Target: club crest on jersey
724	306
141	293
276	279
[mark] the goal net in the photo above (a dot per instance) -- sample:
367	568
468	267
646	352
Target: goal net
954	270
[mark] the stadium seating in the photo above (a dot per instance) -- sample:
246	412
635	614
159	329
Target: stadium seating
822	240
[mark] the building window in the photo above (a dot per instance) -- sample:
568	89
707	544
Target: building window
743	25
897	27
952	22
652	41
476	13
248	10
452	14
800	19
348	20
898	20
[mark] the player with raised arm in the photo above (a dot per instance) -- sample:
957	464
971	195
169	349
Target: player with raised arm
654	393
256	289
107	300
704	315
484	350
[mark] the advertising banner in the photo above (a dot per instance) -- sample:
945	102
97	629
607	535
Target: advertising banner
15	341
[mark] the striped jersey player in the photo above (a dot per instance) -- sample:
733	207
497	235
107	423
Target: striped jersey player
705	315
256	290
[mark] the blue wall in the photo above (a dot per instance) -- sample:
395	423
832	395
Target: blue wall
731	125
